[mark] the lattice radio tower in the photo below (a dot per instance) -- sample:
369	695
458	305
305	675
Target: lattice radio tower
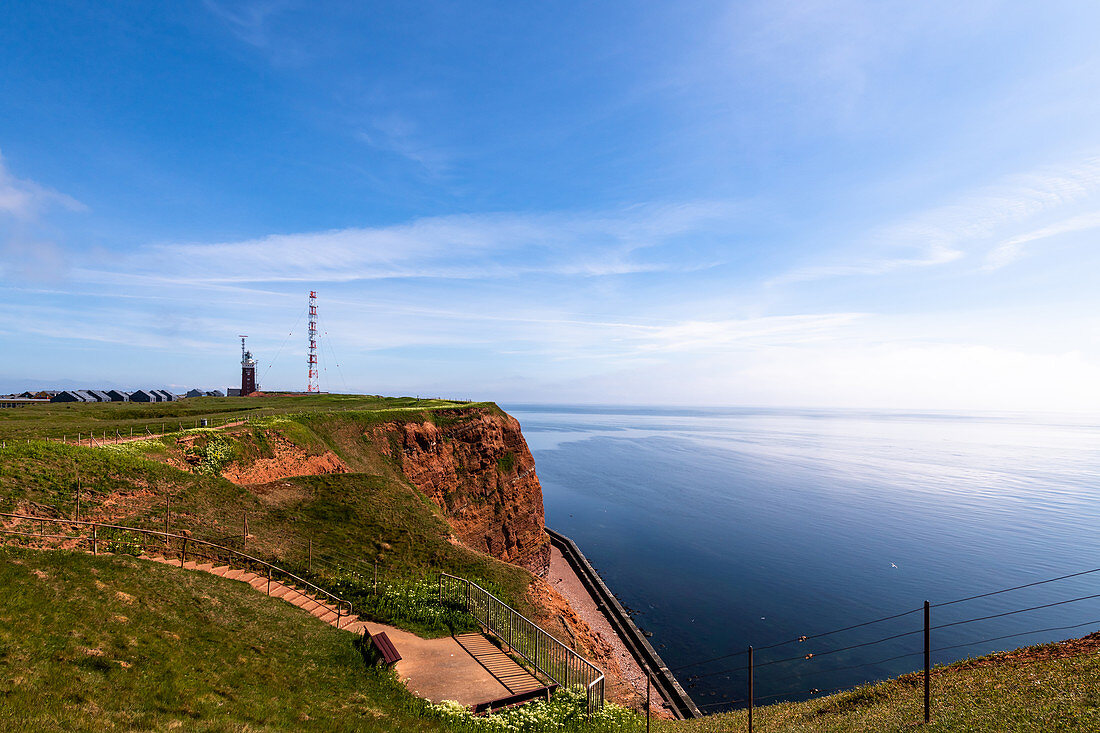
311	385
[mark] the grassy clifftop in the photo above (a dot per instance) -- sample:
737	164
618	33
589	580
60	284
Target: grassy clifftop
63	420
338	525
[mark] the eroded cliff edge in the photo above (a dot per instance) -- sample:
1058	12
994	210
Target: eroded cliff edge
477	468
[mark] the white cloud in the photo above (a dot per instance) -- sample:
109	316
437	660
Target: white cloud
25	200
951	232
1013	249
460	247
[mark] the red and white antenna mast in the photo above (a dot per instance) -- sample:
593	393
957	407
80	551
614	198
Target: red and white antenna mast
311	385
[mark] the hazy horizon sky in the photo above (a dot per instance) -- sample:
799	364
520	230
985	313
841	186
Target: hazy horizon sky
851	204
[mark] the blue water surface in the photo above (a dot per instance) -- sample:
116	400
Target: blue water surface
724	528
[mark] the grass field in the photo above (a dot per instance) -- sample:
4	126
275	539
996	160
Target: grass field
67	420
120	644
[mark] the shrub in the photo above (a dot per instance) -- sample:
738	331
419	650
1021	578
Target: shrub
566	711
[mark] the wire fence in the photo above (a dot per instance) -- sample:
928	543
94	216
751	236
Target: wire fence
807	658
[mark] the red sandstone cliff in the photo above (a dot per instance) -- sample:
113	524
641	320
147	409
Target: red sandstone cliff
476	466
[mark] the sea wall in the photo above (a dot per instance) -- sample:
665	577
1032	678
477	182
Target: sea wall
639	647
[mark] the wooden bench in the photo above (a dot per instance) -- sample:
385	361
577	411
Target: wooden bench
384	647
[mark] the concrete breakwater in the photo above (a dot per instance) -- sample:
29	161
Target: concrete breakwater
639	647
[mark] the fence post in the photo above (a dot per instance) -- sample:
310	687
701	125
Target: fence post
183	556
750	689
95	543
648	684
927	665
244	537
269	580
167	519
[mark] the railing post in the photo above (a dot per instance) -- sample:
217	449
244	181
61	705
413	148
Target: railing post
375	577
310	561
244	537
95	542
648	684
927	665
167	519
750	689
183	557
269	580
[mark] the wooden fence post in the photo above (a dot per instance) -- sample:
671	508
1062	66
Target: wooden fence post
648	684
927	665
750	689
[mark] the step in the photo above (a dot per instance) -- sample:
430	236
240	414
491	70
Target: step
258	582
220	571
235	574
206	567
190	565
322	609
278	590
329	618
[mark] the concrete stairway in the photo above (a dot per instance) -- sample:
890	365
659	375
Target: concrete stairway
322	609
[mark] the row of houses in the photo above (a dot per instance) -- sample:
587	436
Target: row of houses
114	395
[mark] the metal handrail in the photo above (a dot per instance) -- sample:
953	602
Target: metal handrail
341	604
562	653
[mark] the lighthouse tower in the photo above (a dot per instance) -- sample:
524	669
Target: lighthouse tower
248	370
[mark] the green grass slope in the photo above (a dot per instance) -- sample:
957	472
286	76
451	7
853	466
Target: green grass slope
1051	687
116	643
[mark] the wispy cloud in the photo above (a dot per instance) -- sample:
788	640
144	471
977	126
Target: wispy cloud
25	200
1013	249
26	251
395	133
249	20
465	247
951	232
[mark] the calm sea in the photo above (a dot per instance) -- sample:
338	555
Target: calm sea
724	528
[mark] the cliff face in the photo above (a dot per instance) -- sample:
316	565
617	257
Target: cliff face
480	472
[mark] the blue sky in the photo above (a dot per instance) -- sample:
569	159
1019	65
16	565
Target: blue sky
857	204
